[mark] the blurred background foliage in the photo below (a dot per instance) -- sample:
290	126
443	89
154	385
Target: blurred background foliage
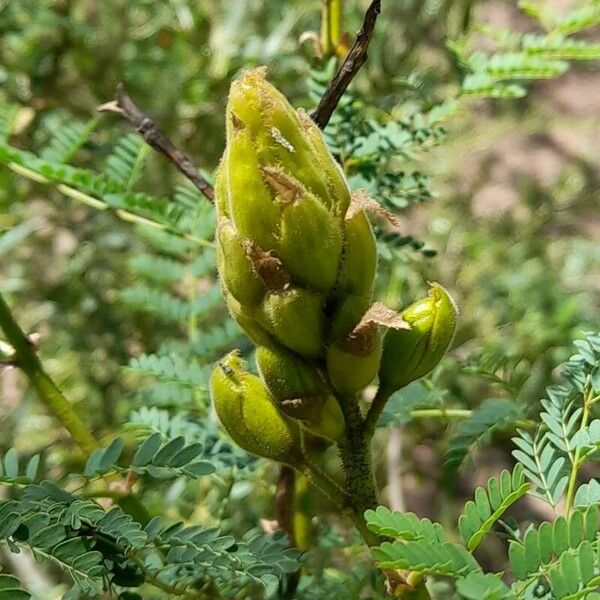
503	210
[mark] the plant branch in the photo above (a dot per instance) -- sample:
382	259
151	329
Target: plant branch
154	137
331	27
354	60
576	459
374	412
284	502
380	400
27	360
100	204
285	507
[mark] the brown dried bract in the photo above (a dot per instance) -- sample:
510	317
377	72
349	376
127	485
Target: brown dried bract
267	267
362	202
363	338
286	188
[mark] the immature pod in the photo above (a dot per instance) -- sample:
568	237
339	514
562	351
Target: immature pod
359	264
295	318
279	137
247	412
354	287
353	361
335	176
300	391
411	354
287	376
244	317
221	193
310	241
251	206
347	315
235	267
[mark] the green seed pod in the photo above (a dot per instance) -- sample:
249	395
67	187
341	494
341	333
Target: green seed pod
244	317
347	315
246	411
310	244
351	366
288	376
327	420
353	361
279	137
221	193
251	205
300	391
295	318
235	267
357	273
335	176
411	354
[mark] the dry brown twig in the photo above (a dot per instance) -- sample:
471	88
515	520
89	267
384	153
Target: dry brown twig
354	60
154	137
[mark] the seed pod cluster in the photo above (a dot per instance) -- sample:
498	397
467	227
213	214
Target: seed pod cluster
297	260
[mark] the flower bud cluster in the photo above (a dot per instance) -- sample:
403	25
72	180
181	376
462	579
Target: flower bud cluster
297	260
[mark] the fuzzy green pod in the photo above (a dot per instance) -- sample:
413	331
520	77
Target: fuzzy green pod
411	354
247	412
353	360
310	242
251	207
235	267
351	366
244	317
295	318
288	376
300	391
354	287
357	273
278	136
347	315
335	176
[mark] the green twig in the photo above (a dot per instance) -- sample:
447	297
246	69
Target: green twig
26	359
587	402
331	27
374	412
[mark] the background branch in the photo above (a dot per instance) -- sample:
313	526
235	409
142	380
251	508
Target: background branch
154	137
26	359
349	68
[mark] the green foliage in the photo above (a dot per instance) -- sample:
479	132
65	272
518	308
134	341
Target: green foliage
67	140
504	74
404	526
174	458
564	552
96	546
477	586
492	415
10	588
490	504
555	559
442	558
566	438
125	164
12	472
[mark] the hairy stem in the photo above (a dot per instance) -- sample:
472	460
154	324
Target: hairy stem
355	454
374	412
26	359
